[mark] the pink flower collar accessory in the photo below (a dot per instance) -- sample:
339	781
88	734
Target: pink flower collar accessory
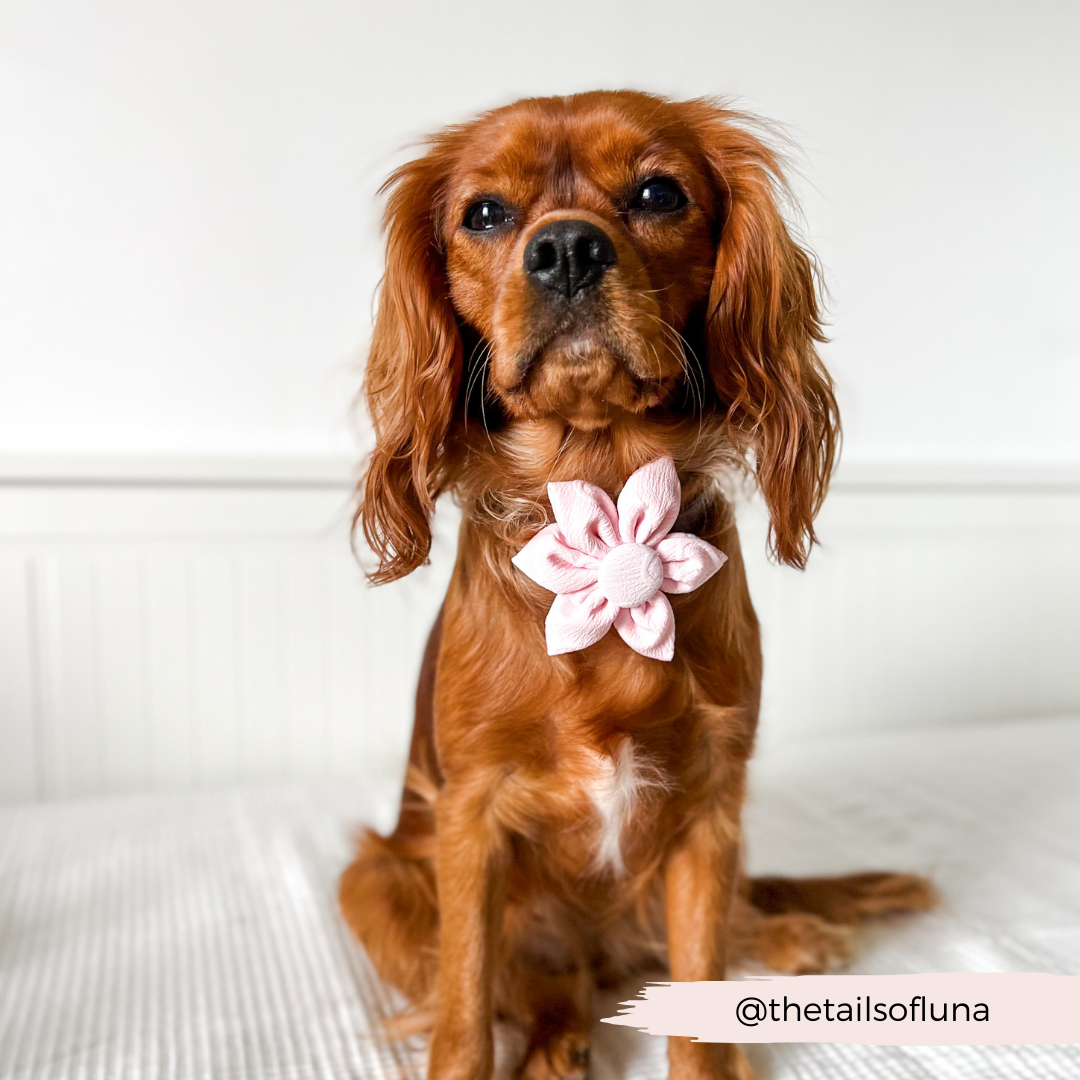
610	565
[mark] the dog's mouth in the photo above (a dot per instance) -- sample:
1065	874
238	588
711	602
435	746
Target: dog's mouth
587	378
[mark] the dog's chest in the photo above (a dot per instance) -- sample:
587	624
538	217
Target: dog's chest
621	785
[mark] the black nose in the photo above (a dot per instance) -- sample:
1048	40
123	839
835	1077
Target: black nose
569	256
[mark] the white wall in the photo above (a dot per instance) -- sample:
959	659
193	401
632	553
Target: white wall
188	251
189	229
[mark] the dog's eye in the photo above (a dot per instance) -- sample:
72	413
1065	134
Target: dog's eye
659	195
486	214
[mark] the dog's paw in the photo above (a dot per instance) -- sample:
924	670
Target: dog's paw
801	944
563	1057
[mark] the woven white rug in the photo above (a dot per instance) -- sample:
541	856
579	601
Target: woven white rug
196	937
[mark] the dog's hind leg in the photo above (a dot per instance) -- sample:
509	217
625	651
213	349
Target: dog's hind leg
802	926
791	943
387	896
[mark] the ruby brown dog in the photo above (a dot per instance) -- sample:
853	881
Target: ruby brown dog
577	289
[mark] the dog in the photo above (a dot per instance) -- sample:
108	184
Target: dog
576	288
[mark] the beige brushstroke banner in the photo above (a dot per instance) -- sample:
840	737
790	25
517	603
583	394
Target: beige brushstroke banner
877	1010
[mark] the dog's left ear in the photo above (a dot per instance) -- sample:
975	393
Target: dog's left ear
762	327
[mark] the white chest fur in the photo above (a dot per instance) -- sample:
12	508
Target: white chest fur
622	780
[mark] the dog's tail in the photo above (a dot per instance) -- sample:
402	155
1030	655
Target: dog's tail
847	899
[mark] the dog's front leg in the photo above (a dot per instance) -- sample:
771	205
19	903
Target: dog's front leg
471	862
699	882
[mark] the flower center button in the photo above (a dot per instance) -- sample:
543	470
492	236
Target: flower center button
630	574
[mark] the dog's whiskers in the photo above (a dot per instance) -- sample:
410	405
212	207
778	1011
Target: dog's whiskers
692	372
474	372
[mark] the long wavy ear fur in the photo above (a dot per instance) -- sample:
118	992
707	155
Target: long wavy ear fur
413	371
762	326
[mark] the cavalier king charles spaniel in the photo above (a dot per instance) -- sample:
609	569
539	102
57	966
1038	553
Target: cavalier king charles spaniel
597	293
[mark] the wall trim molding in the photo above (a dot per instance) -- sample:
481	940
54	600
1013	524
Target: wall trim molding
340	471
956	476
180	470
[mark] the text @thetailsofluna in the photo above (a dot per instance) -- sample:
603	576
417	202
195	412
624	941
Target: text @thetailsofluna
974	1009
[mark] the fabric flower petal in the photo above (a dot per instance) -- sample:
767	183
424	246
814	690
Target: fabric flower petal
650	628
649	502
579	619
688	562
586	515
551	562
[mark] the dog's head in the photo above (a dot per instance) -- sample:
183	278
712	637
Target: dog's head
593	258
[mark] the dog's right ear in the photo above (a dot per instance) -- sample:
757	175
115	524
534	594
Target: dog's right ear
413	372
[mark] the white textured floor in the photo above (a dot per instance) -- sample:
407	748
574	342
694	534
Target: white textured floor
196	936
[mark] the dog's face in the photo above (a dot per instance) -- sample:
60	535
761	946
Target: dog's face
577	243
605	258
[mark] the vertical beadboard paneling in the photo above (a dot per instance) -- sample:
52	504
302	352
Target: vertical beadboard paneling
176	635
355	692
120	597
305	673
259	621
72	735
170	673
18	719
922	607
218	718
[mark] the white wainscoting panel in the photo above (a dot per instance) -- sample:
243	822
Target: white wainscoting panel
176	635
924	604
185	626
